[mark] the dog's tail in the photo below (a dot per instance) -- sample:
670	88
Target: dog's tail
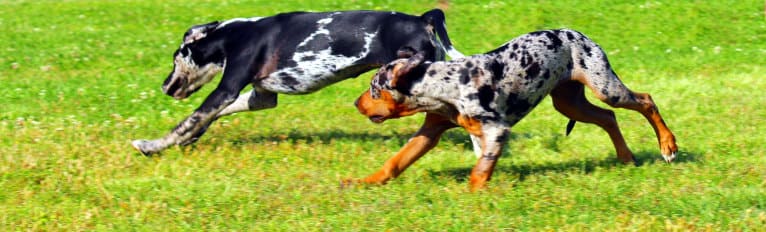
436	19
570	126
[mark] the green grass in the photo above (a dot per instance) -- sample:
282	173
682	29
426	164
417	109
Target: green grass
80	80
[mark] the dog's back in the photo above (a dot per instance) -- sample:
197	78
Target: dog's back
506	83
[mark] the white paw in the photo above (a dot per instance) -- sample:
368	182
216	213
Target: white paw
669	158
144	146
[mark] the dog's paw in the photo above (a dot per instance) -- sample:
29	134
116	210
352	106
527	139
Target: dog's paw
669	158
146	147
668	149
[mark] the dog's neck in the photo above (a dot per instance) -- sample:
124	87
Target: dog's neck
440	81
429	91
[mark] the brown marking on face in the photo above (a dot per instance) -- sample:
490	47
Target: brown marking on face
395	74
382	108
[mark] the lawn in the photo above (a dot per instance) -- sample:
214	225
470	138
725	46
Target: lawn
81	79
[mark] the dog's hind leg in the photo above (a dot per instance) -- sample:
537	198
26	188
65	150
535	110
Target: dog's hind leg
424	140
251	101
569	99
608	88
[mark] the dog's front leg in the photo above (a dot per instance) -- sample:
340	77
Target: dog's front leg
226	92
424	140
493	137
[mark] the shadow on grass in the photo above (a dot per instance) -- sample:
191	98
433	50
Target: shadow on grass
460	137
454	136
578	166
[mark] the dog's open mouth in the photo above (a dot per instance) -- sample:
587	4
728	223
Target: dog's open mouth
377	118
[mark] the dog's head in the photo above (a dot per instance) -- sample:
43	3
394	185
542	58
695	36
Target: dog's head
195	63
388	96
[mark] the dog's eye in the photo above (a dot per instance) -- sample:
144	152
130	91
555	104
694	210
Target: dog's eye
381	81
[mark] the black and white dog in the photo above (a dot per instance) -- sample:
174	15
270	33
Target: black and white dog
291	53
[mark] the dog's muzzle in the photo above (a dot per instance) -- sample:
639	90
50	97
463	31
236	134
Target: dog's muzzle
174	88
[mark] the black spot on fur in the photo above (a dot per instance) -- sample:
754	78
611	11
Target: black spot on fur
288	80
546	75
469	64
525	59
405	82
614	99
491	118
496	68
308	58
486	96
555	41
533	70
570	36
464	77
587	50
516	105
432	72
476	72
381	81
582	64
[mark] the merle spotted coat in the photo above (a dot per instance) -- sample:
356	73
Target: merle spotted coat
489	93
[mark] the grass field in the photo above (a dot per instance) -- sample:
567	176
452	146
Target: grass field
79	79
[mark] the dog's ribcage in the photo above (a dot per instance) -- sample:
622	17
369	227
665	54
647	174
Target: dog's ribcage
315	64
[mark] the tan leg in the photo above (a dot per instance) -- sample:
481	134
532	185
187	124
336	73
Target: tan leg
569	99
493	137
424	140
608	88
645	105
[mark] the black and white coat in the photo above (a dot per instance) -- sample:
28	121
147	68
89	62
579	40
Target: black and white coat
290	53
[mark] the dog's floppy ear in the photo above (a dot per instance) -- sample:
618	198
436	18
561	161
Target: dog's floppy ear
402	69
199	31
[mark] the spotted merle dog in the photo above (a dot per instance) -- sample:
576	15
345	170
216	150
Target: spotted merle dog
290	53
487	94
